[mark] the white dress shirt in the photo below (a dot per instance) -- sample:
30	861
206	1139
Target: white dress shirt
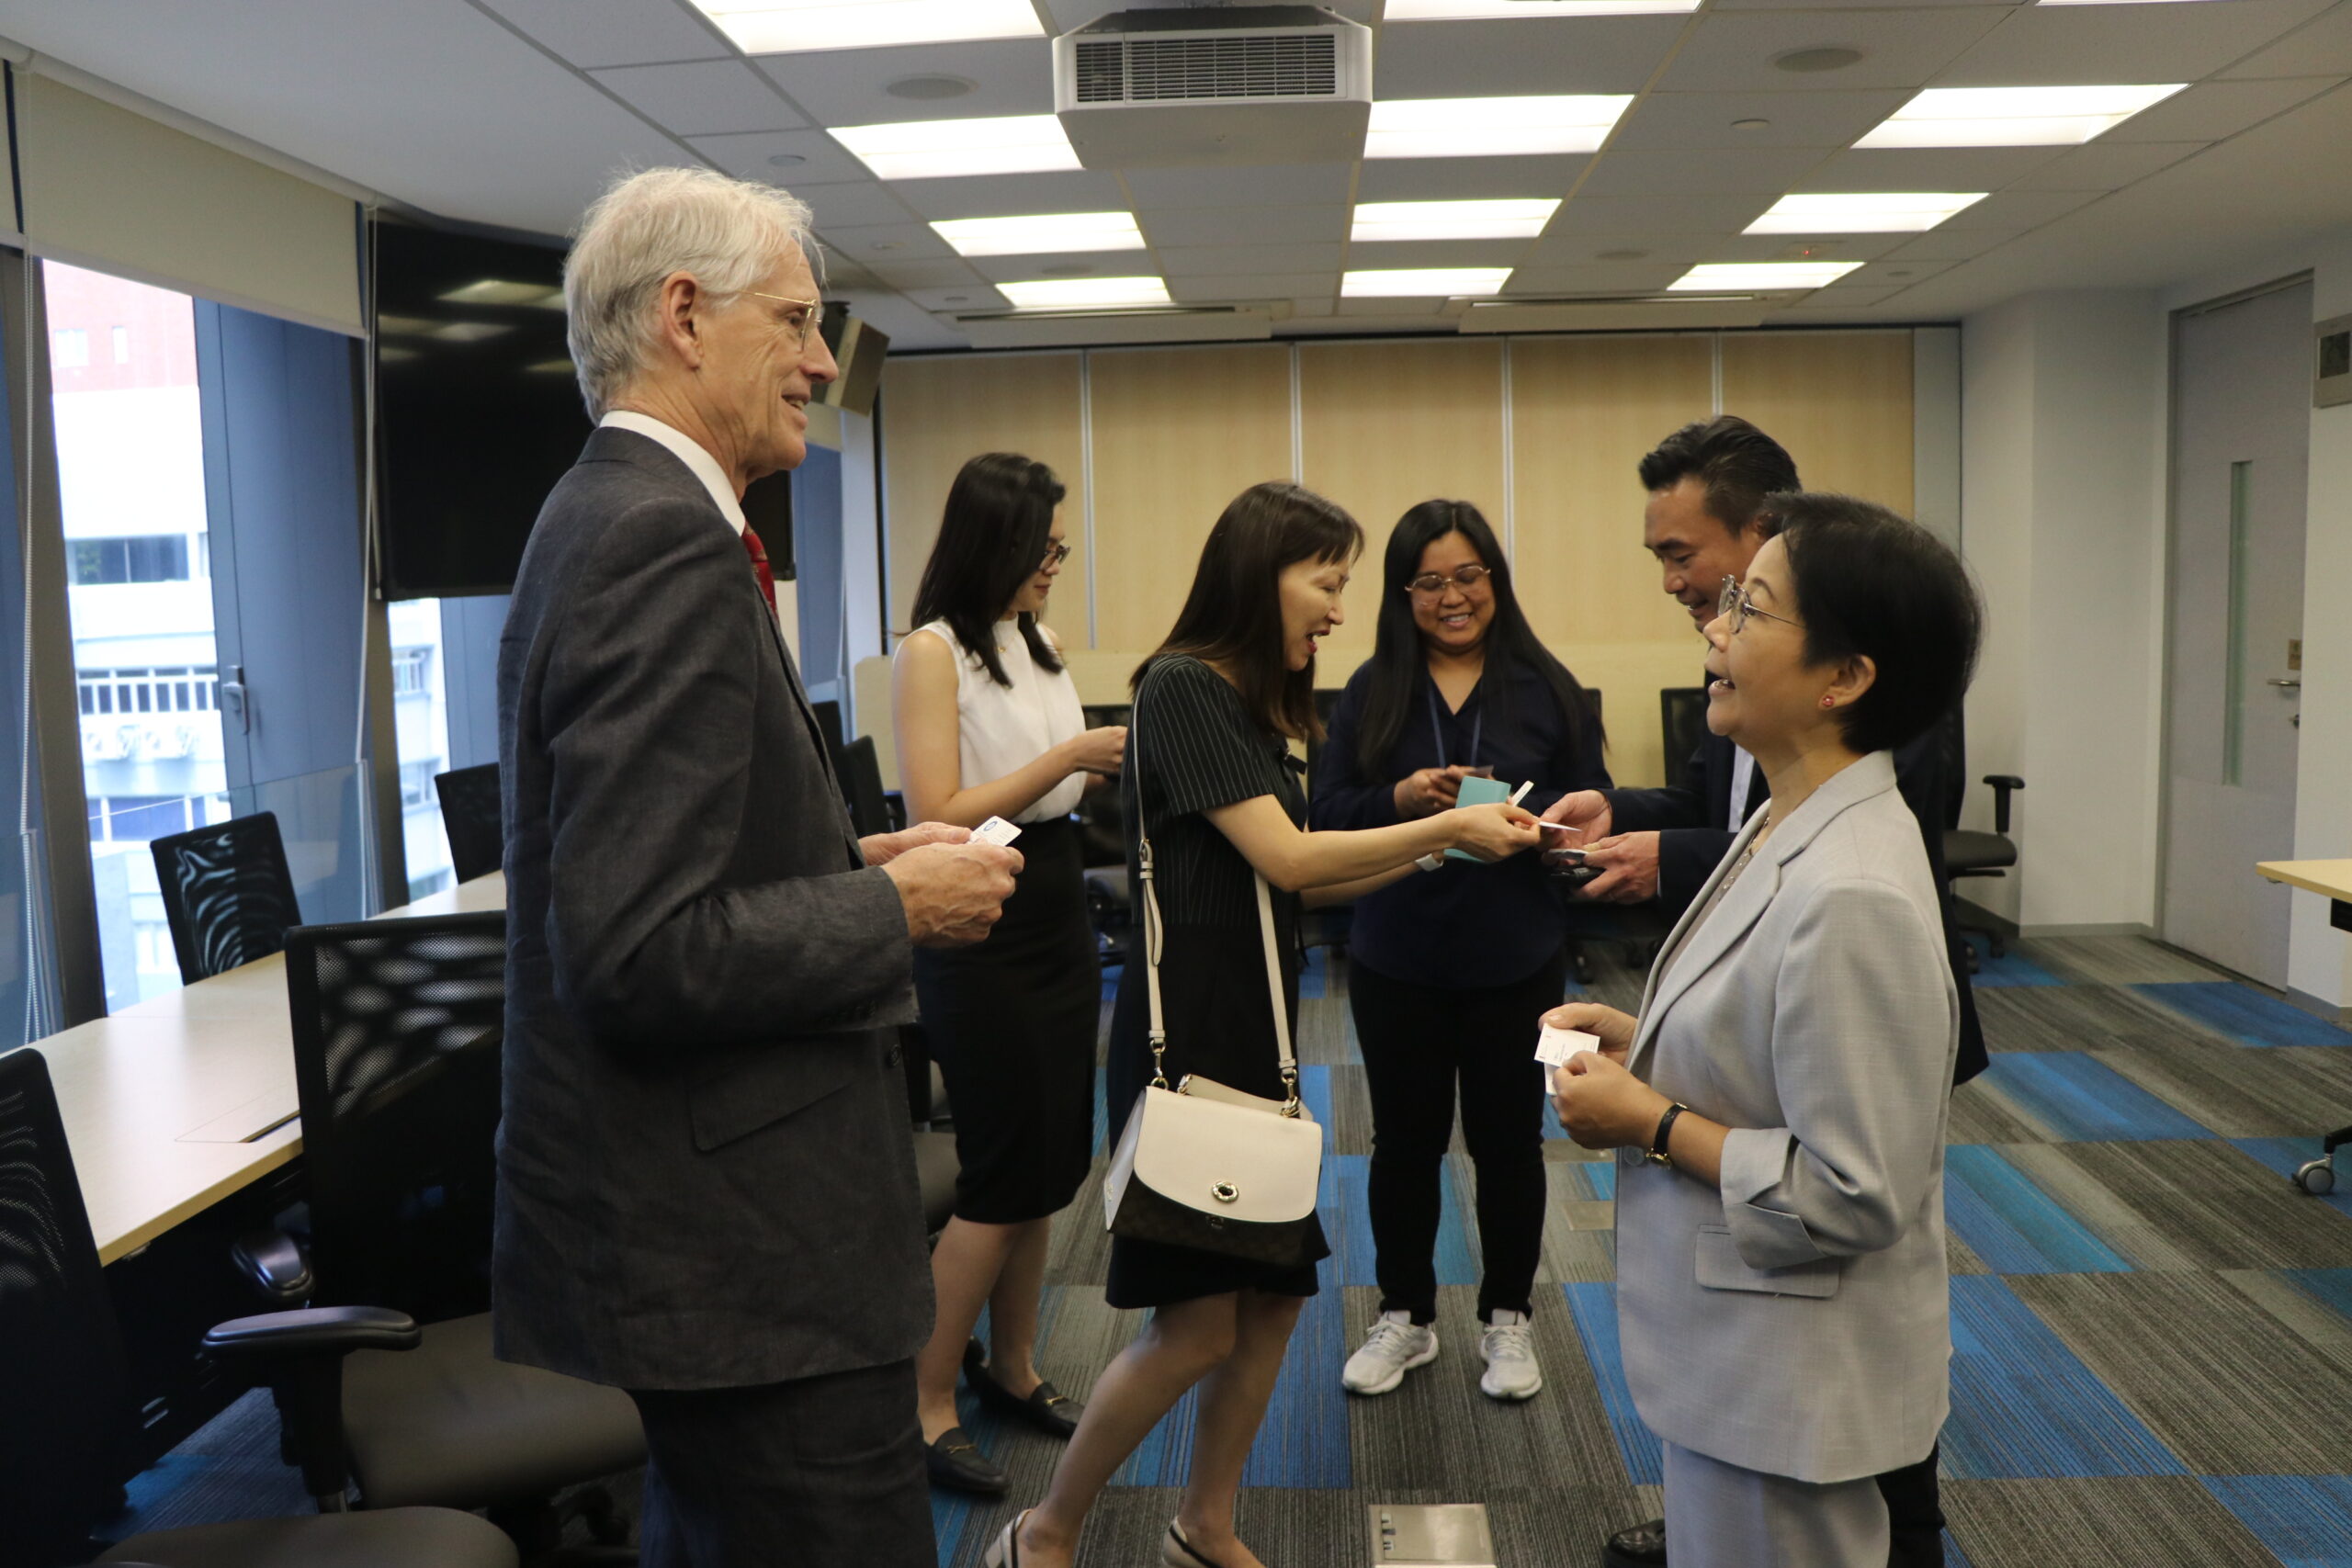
690	452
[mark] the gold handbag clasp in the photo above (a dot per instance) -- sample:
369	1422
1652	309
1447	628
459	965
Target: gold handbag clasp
1224	1191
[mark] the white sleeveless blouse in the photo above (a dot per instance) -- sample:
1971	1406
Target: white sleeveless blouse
1001	729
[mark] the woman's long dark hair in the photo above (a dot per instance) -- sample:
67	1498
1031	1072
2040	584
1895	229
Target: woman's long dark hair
1233	617
992	538
1397	657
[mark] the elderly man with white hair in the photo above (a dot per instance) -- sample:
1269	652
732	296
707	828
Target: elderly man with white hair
706	1186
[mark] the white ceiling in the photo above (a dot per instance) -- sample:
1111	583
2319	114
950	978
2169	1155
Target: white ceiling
516	112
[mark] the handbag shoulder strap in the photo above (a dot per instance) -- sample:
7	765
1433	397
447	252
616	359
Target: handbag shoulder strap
1154	930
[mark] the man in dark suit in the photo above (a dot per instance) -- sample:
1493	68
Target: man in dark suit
1705	520
708	1193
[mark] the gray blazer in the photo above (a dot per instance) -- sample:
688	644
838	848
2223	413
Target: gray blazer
706	1176
1795	1320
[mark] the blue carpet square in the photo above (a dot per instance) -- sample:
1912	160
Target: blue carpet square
2008	970
2078	1100
2332	1286
2245	1015
1594	1307
2305	1520
2023	1405
2013	1225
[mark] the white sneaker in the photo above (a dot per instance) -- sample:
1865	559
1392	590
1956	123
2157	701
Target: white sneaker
1509	1346
1395	1347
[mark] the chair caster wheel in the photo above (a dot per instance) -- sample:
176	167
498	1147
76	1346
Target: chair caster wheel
2316	1177
1583	970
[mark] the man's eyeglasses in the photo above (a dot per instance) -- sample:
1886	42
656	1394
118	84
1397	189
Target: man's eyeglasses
812	312
1055	553
1736	604
1430	584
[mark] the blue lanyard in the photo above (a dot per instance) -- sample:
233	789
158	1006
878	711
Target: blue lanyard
1437	730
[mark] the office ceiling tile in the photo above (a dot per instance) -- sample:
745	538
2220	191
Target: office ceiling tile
1013	196
861	205
1948	244
1063	264
2066	44
1067	15
1679	122
1593	277
1733	51
1428	308
2210	111
1902	274
1507	59
1314	305
2106	165
921	273
751	154
950	300
1278	184
2323	44
1677	251
1801	247
703	97
1240	288
1842	295
882	245
1439	253
1243	225
1659	214
851	86
1768	171
1223	260
2014	210
591	33
1927	168
1467	179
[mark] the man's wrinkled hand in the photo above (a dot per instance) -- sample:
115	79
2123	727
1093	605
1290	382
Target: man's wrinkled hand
881	849
953	893
1628	864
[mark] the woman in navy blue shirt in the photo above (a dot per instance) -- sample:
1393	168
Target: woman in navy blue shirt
1449	974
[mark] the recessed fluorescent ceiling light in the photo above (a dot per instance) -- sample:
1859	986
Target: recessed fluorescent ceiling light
1719	277
2013	116
1472	128
1480	10
1423	282
1379	220
788	27
498	291
469	331
941	148
1085	293
1048	236
1880	212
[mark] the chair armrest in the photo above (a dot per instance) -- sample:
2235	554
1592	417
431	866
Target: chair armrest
276	1264
2002	785
896	803
303	1351
311	1331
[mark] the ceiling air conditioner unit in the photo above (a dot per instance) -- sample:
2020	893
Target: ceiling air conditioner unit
1240	85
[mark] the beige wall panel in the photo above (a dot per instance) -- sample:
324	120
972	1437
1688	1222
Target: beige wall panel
1177	434
944	413
1839	401
1583	413
1385	426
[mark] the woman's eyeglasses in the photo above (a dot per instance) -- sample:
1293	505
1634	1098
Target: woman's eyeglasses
1736	604
1430	584
1056	553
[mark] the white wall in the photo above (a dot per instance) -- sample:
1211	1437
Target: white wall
2061	519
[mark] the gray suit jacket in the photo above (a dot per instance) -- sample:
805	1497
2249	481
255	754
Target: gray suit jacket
706	1176
1794	1320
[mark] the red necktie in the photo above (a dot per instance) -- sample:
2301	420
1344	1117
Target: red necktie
759	553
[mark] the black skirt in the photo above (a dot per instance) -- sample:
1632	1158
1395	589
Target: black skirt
1011	1023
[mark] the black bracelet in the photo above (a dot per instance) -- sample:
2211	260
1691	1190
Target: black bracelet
1657	1151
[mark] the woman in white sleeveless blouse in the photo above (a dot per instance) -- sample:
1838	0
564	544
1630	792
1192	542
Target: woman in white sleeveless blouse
988	724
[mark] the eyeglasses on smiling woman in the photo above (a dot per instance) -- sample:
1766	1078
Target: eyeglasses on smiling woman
1734	602
1430	584
1055	553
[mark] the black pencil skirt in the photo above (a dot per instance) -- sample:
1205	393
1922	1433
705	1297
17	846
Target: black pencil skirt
1011	1023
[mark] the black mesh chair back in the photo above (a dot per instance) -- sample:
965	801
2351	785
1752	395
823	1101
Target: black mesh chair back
397	1029
861	776
475	819
63	1399
227	894
1681	726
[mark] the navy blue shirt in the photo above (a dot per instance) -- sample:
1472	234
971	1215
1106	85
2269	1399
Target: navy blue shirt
1466	924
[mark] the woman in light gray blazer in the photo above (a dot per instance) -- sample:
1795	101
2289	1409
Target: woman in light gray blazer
1778	1107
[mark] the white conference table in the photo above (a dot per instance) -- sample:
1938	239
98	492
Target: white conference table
174	1103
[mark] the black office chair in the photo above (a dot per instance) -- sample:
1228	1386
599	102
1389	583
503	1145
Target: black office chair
1967	852
396	1058
475	819
870	805
64	1409
227	894
1681	726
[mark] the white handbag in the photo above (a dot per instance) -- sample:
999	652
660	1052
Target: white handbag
1206	1166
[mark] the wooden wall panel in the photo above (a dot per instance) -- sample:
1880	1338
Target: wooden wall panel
1385	426
1839	401
1177	434
942	413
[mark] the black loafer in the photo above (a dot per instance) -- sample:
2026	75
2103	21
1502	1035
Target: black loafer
1046	1408
1643	1546
955	1461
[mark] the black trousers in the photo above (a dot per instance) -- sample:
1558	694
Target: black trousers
1914	1514
820	1471
1419	1042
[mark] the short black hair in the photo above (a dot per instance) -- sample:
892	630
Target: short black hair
1872	584
1738	464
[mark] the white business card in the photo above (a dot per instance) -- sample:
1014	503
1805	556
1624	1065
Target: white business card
995	831
1555	1046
